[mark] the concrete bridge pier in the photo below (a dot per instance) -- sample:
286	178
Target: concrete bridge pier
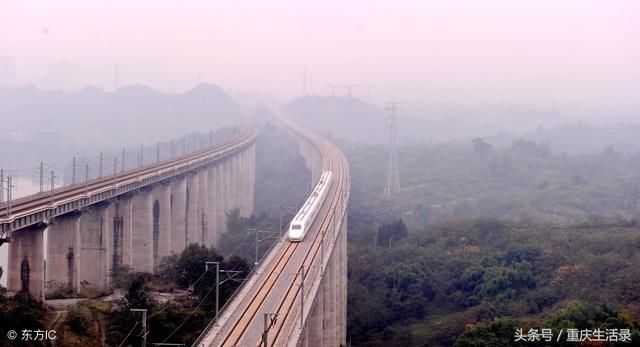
236	183
212	218
192	208
26	261
226	192
63	251
142	232
132	224
252	175
342	282
315	324
203	206
232	179
162	224
325	325
95	232
178	215
220	214
247	180
120	252
328	290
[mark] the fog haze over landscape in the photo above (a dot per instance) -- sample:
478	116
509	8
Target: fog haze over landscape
501	69
487	154
460	51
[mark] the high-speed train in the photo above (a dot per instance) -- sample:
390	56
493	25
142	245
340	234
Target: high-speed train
304	218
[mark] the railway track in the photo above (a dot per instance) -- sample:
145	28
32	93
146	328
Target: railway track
45	201
294	255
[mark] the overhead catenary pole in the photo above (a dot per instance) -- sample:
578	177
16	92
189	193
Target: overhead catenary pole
321	251
158	152
53	183
100	167
280	213
1	186
73	171
301	296
9	195
256	262
122	160
144	324
86	179
41	178
258	239
206	267
141	155
218	271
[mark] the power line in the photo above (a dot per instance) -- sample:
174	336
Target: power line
209	292
129	334
189	316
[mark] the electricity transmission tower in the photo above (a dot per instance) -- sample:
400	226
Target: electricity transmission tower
393	176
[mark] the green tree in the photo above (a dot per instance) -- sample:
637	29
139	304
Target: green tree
137	295
480	146
191	265
388	233
500	332
235	222
19	312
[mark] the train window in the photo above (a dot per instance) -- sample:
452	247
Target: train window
296	227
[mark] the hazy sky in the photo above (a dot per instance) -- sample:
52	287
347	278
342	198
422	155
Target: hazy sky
490	50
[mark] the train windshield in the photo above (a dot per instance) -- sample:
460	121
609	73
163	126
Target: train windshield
296	227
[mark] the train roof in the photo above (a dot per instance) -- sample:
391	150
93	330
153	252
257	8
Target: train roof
322	182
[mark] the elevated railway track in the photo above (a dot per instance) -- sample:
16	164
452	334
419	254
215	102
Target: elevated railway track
290	274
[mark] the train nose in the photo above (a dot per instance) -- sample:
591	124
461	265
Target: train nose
295	235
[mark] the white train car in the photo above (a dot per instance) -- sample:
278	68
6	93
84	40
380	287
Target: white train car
304	218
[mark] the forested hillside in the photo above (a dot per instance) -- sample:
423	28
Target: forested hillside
525	181
481	242
439	285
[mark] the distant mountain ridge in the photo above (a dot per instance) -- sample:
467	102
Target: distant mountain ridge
131	115
52	125
579	138
355	120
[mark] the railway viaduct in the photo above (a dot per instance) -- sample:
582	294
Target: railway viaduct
296	296
132	218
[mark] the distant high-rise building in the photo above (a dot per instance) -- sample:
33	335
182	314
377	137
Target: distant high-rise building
7	71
